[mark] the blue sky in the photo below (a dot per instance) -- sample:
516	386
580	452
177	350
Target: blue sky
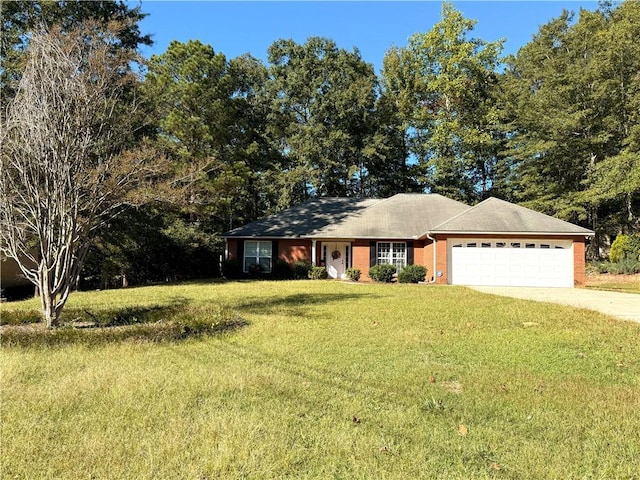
235	28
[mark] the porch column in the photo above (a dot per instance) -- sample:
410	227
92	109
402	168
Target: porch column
313	253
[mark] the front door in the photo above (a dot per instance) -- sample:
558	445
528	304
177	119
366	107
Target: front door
338	255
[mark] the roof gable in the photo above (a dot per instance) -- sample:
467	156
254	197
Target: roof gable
405	215
498	216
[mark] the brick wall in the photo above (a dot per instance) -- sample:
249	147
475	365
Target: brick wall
441	260
579	271
427	258
360	250
294	250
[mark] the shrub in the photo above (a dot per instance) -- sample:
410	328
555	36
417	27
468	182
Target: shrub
627	266
353	274
382	273
256	270
301	270
283	270
318	273
412	274
232	268
625	246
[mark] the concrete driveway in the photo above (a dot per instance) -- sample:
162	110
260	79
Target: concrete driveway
617	304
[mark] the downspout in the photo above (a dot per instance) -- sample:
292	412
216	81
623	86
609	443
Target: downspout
434	258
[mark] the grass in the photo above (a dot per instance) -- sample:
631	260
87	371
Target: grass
331	380
614	283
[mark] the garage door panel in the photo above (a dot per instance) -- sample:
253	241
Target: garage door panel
536	267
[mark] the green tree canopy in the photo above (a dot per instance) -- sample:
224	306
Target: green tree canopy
572	101
442	83
323	100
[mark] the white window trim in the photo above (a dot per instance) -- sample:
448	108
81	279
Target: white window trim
257	257
392	256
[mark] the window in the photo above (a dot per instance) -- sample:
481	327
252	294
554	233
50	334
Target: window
347	257
257	253
392	253
458	245
529	245
515	244
545	245
324	254
472	245
500	244
486	244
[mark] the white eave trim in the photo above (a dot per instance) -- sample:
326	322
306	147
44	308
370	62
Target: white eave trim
520	234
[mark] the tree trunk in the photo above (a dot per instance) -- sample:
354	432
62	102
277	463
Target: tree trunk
49	311
593	250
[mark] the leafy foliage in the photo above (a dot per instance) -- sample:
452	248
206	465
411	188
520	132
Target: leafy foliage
571	110
232	269
21	18
382	273
412	274
324	97
625	246
318	273
625	266
301	270
443	83
353	274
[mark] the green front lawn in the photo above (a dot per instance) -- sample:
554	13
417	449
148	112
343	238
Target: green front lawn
330	380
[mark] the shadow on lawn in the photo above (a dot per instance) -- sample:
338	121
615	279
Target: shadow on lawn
296	305
156	323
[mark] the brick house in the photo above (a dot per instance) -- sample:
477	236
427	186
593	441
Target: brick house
493	243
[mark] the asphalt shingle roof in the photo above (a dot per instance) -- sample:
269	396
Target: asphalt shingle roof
303	220
402	216
497	216
406	215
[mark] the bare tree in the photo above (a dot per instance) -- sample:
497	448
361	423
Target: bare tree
64	169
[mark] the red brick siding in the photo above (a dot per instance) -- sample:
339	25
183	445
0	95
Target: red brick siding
294	250
427	254
360	251
579	273
441	259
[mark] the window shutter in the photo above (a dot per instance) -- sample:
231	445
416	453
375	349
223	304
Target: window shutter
409	253
240	252
274	254
373	254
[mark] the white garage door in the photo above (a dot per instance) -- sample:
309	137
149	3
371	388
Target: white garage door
521	263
